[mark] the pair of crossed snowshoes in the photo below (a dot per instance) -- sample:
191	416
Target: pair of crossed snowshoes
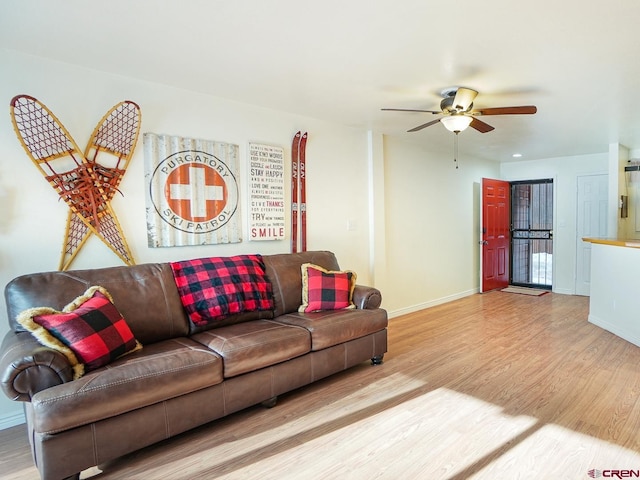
85	181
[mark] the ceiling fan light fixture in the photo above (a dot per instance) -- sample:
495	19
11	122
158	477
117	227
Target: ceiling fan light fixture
456	123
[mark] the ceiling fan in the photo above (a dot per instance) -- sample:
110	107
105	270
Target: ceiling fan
458	111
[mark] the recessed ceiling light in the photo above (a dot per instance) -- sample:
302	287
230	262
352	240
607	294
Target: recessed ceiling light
516	155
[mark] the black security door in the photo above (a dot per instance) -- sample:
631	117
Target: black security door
532	233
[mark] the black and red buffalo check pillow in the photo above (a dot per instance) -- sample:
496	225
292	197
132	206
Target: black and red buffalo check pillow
90	331
213	288
326	290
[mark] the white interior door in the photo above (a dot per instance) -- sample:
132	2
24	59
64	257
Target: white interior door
591	221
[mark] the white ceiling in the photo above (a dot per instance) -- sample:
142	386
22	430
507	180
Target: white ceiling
343	60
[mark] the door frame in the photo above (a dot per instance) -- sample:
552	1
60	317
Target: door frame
555	217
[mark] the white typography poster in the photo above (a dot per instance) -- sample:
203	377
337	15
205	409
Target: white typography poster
192	191
266	192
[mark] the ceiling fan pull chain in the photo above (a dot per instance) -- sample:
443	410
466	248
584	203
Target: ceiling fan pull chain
455	149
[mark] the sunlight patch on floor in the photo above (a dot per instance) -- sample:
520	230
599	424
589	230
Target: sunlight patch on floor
320	424
398	428
470	428
556	452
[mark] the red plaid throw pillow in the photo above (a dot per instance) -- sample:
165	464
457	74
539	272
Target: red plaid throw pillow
90	331
326	290
213	288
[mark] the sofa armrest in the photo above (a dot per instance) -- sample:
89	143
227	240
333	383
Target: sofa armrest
367	297
27	367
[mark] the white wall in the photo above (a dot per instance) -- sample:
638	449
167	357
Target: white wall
32	219
614	281
414	218
432	225
564	172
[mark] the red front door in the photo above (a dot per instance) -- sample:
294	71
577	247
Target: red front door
495	236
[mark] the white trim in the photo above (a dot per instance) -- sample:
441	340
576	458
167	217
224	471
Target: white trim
619	330
563	291
432	303
11	420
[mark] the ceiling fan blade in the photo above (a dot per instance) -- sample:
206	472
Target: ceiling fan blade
424	125
464	98
408	110
524	110
481	126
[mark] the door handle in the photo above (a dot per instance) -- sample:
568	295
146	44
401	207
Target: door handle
483	242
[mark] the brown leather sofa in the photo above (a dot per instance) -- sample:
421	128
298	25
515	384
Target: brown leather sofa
177	381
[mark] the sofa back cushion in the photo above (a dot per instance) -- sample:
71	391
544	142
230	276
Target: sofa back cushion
285	273
145	295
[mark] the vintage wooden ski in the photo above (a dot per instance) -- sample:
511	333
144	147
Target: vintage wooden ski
295	148
302	175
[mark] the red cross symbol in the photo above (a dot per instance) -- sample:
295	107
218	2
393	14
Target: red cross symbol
196	192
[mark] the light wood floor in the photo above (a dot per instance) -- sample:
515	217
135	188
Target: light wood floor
493	386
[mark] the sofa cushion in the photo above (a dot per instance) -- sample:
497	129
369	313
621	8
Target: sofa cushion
326	290
89	331
249	346
159	317
158	372
212	289
333	327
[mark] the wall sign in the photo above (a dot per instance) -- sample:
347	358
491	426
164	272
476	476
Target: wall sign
266	192
192	191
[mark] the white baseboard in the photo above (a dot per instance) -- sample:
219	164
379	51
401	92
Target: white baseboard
564	291
431	303
11	420
618	330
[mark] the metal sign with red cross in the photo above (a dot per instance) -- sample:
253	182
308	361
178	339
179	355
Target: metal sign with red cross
194	193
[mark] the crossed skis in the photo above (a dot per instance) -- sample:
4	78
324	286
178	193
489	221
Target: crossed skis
86	182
